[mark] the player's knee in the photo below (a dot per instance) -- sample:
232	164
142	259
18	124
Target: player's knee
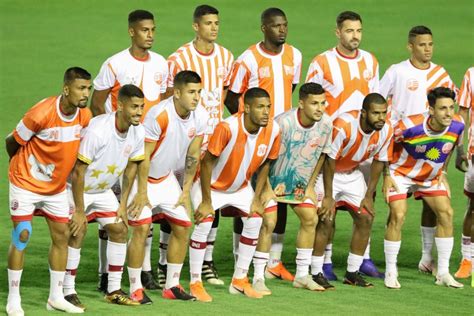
21	235
181	232
269	223
61	234
445	218
117	231
364	221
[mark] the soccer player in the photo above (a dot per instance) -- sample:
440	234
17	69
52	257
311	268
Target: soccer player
213	63
275	66
306	136
174	132
140	66
240	146
42	151
110	142
357	137
406	84
423	143
466	103
348	74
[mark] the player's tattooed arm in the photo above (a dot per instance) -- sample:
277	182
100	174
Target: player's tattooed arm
232	101
191	165
205	208
78	220
11	145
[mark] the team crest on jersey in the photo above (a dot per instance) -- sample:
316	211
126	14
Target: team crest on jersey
264	72
371	148
412	84
131	80
191	132
367	74
221	72
127	150
14	204
314	142
288	70
398	135
261	150
420	149
447	148
158	77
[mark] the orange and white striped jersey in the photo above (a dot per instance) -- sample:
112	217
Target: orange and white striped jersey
150	75
351	145
214	69
275	73
107	152
49	143
419	153
240	153
466	99
408	86
346	80
172	135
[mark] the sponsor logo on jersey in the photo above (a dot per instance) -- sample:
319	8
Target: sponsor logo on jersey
221	72
371	148
412	84
158	77
289	70
314	142
420	148
261	150
127	150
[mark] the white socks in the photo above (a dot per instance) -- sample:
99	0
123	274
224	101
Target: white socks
317	264
328	254
197	249
367	251
134	276
353	262
146	266
427	238
276	249
391	250
444	245
164	238
116	253
303	261
172	274
14	278
56	285
260	260
73	259
466	247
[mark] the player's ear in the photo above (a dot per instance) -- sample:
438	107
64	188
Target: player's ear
263	28
195	26
337	31
246	108
431	109
300	104
131	31
410	47
177	92
66	90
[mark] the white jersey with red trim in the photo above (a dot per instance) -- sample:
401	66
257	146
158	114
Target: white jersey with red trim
466	100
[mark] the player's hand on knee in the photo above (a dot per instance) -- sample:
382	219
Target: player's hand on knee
138	203
122	215
367	204
327	209
78	222
184	201
388	186
203	211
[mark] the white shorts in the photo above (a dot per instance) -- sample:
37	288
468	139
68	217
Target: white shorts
99	207
230	203
469	181
348	190
406	187
163	197
24	204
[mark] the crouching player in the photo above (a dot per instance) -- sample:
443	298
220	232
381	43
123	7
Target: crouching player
110	142
423	144
306	135
357	137
240	146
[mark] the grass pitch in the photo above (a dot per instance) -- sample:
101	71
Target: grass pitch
40	39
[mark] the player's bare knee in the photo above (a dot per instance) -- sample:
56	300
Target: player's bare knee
445	217
181	232
117	232
269	223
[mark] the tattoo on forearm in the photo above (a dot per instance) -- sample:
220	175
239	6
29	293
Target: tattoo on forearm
190	162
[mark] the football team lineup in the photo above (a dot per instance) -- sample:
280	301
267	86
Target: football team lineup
146	149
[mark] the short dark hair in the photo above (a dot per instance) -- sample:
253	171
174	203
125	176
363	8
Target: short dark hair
203	10
139	15
254	93
270	13
373	98
129	91
185	77
347	15
74	73
418	30
438	93
310	88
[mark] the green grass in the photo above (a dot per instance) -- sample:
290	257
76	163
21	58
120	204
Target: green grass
40	39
